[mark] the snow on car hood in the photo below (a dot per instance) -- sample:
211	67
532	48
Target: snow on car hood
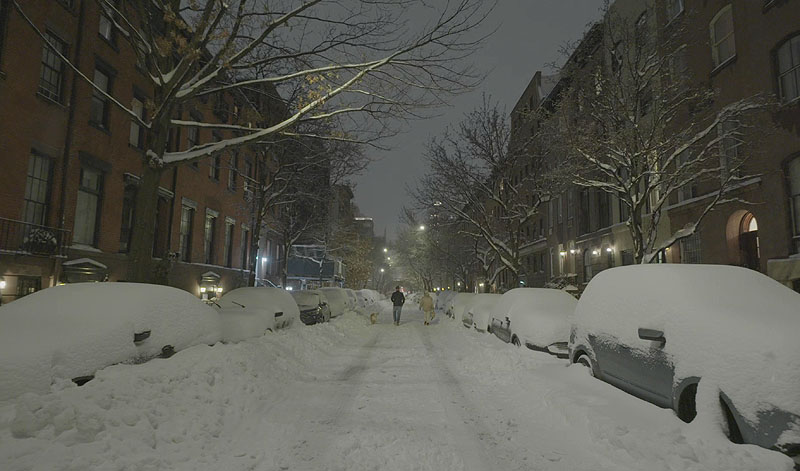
73	330
731	326
539	315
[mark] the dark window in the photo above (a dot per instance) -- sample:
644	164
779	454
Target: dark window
674	8
98	114
221	107
28	285
794	203
87	211
228	255
52	74
192	137
690	249
604	209
723	45
187	221
213	171
789	70
624	211
210	238
232	172
137	131
245	248
128	208
689	190
37	190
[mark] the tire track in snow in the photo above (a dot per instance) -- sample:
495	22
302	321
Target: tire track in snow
474	439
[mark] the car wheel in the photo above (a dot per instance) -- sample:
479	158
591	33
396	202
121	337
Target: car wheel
584	360
733	433
687	404
515	341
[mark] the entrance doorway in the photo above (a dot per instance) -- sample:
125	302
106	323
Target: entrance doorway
749	247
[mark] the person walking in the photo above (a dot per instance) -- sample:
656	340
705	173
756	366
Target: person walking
426	305
397	302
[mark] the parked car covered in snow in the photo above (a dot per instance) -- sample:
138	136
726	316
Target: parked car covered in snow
455	307
657	331
442	301
369	296
538	318
71	331
352	299
250	312
478	312
313	306
337	300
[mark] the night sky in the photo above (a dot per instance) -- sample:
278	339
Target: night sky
529	36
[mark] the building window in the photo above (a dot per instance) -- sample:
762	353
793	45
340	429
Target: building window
789	70
624	211
37	190
137	132
192	137
677	68
794	195
187	222
689	190
52	74
98	114
674	8
128	206
106	28
559	212
723	46
87	211
233	171
245	248
213	170
604	209
5	7
690	249
730	157
228	255
210	236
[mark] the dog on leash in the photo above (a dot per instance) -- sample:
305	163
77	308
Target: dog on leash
373	318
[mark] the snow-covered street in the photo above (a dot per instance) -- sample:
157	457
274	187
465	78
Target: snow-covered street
348	395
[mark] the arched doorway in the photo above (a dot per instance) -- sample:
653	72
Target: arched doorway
749	247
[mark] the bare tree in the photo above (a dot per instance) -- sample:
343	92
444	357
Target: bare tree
361	63
629	124
492	191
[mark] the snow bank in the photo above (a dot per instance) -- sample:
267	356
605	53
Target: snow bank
480	309
734	328
249	312
70	331
538	316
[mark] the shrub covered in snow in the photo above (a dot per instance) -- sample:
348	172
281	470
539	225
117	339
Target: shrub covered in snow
659	330
71	331
538	317
250	312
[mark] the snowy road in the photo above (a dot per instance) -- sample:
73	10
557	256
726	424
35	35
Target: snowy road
353	396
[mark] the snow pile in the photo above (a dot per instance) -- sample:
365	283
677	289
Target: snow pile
538	316
70	331
734	328
443	300
480	309
249	312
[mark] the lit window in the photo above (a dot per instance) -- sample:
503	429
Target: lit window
723	46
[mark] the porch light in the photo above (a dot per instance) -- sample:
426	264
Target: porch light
218	289
609	249
595	252
202	289
572	251
481	285
2	284
563	253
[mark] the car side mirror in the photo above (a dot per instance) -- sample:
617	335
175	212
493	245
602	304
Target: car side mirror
652	335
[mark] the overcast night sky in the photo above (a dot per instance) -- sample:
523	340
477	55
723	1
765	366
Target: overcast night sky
529	36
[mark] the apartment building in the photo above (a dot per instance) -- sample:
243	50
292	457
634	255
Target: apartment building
72	162
740	49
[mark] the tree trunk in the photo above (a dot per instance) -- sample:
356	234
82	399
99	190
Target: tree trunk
140	257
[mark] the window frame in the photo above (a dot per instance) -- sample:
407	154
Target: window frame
96	193
45	205
209	236
110	74
668	10
716	61
794	69
47	50
138	96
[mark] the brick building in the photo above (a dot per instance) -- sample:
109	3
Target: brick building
739	49
72	160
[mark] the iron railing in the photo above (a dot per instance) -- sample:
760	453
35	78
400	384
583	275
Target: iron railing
21	237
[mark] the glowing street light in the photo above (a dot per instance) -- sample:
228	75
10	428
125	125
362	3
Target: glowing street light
422	228
382	270
385	250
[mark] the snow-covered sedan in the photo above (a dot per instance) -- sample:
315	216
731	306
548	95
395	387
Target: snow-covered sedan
442	301
250	312
478	312
71	331
313	306
538	318
707	339
455	307
337	300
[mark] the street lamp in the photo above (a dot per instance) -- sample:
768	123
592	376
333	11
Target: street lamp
385	250
382	270
422	228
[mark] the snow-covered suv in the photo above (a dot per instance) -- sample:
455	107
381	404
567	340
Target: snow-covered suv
660	332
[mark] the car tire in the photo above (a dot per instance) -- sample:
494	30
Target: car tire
687	404
515	341
733	433
583	359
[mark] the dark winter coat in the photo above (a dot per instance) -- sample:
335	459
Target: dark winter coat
398	299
